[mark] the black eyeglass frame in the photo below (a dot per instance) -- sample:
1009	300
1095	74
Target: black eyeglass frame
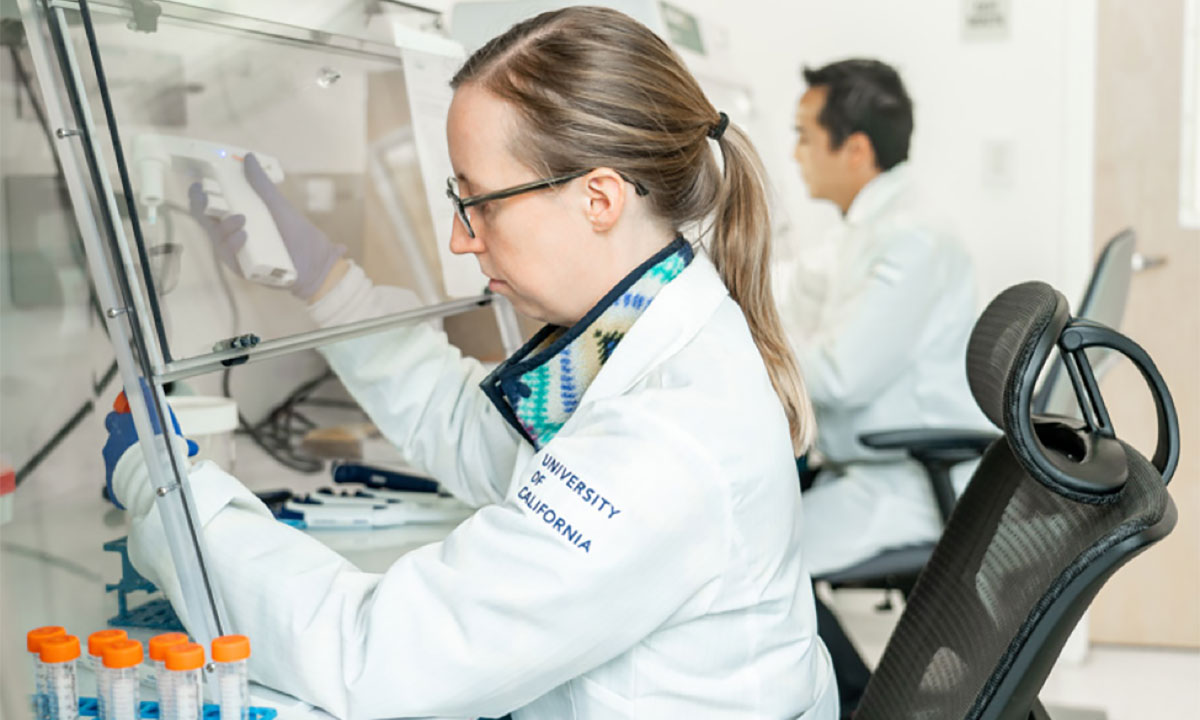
461	204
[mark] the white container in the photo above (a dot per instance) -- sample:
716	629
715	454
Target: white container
209	421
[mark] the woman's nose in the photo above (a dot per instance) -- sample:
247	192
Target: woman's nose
461	242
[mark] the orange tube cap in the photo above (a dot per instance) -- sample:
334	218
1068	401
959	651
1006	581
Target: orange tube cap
188	656
123	654
159	644
35	637
60	649
100	639
231	648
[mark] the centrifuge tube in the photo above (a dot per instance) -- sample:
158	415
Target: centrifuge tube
33	643
96	643
182	699
231	653
120	680
159	644
59	655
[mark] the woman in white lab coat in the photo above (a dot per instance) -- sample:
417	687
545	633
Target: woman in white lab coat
636	551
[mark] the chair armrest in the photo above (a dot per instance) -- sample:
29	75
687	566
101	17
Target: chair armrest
931	441
937	450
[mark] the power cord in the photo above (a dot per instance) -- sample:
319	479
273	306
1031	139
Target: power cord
278	434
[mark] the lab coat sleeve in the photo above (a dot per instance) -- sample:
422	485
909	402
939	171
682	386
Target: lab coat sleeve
420	392
613	532
870	337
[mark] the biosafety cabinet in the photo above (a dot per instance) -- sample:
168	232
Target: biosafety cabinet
120	108
110	112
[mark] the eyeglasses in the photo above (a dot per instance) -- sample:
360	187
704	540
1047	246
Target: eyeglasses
462	203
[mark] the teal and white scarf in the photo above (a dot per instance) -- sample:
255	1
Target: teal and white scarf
539	387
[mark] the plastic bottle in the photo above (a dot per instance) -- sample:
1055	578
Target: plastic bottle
121	661
231	653
182	699
33	643
159	644
96	643
58	655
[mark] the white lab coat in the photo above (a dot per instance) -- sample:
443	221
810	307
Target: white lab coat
690	599
886	350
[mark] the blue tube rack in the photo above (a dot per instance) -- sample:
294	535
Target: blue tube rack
156	614
149	710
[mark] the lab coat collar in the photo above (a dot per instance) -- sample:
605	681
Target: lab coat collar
677	315
533	374
878	194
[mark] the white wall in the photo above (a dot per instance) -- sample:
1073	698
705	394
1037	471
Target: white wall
1029	98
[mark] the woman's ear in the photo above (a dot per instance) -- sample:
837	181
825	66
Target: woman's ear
604	198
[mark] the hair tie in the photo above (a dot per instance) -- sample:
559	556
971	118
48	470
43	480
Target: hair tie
716	131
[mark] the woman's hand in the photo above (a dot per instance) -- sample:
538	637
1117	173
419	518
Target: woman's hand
311	251
121	437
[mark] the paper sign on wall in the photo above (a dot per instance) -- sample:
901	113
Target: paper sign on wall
986	20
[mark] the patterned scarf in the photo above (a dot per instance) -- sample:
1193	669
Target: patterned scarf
538	388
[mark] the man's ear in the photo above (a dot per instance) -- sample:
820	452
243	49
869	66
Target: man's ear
604	198
860	151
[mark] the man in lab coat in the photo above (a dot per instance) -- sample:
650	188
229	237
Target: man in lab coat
880	336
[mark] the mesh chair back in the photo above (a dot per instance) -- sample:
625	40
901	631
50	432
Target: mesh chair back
1024	551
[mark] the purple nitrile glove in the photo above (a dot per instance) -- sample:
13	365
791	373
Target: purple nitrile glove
311	251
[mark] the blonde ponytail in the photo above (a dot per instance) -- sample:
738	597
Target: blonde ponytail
741	250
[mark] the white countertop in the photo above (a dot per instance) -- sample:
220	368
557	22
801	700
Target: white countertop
53	568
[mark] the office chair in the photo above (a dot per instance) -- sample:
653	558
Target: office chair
1103	302
1055	507
938	450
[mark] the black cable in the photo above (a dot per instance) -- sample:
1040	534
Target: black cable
267	434
53	560
55	440
330	403
98	388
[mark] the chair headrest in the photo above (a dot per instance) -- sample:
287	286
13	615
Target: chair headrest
1080	459
1010	343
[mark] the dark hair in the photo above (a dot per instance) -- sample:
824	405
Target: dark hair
865	96
595	88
